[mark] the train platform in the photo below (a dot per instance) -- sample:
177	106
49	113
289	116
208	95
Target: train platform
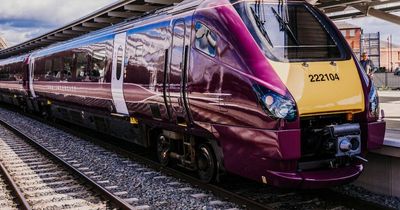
392	138
390	104
381	172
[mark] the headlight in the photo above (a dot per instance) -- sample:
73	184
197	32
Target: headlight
373	102
276	105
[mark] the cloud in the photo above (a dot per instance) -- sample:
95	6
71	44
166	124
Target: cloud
25	23
50	11
21	20
14	36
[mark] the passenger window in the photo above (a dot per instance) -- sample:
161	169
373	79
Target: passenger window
47	68
57	69
9	74
3	74
98	67
206	40
81	64
65	74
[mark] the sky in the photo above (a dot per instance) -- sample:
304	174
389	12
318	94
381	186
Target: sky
21	20
373	25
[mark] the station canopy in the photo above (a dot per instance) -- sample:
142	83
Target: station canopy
128	9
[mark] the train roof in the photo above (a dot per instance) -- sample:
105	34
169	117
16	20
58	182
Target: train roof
14	59
111	15
129	23
122	10
126	25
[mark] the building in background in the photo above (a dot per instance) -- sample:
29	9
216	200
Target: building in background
352	33
361	42
390	55
3	44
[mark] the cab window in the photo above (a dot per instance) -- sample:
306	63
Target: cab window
206	40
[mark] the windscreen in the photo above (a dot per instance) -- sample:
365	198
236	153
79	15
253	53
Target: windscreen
290	32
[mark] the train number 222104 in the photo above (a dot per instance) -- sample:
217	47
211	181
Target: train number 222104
323	77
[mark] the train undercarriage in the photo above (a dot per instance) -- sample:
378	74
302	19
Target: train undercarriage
169	146
329	142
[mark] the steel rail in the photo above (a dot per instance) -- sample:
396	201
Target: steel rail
23	203
244	201
119	202
350	201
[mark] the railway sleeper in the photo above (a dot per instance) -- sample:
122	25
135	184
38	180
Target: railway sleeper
187	150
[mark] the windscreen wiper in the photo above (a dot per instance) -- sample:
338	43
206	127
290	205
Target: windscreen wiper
260	25
285	25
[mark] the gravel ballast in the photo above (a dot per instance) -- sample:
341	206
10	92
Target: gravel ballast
141	186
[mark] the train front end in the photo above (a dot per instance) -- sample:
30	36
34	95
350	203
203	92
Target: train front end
320	110
329	98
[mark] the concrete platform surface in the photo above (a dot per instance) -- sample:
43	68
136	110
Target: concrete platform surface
390	104
392	93
392	138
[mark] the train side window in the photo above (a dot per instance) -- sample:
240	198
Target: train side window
66	73
47	68
81	65
57	69
3	74
206	40
8	71
97	71
12	72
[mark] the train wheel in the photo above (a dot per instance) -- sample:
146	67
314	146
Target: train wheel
163	149
206	163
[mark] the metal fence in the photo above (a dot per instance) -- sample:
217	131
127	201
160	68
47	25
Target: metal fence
387	80
371	44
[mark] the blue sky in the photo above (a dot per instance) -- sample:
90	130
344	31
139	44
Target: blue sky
373	25
21	20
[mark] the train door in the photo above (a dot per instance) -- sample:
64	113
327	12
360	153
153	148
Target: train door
175	82
31	70
118	71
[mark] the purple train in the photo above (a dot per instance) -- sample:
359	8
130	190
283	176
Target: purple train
262	89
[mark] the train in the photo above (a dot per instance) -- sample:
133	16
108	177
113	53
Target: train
266	90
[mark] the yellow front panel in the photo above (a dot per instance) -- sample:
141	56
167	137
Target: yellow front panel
322	87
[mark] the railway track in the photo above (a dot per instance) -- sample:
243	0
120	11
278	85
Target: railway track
9	198
40	179
248	194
